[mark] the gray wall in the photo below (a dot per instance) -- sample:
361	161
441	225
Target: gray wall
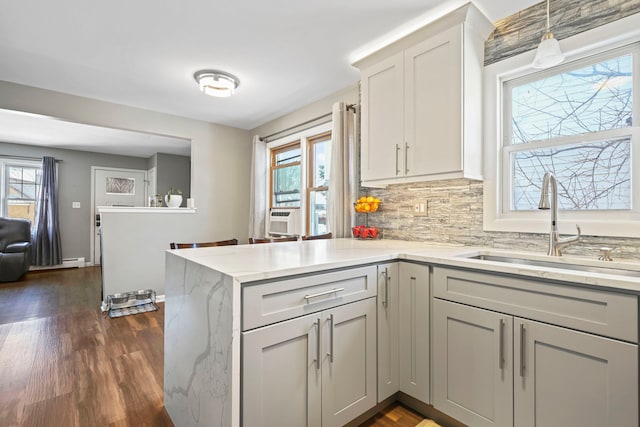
349	95
74	185
173	172
221	155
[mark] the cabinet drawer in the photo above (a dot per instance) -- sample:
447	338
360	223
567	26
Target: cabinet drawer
267	303
604	313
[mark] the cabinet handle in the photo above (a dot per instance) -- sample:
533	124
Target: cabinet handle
523	336
386	288
319	294
318	343
330	354
501	361
385	301
406	158
397	149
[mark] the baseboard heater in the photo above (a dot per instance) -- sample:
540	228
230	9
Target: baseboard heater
66	263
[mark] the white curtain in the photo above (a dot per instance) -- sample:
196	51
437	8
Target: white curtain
343	184
258	202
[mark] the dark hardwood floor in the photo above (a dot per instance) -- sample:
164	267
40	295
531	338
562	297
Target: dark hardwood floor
64	363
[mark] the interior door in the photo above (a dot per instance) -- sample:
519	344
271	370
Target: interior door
115	187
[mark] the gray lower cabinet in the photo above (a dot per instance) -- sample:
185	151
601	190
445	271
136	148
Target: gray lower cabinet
414	329
472	364
573	379
388	328
492	368
315	370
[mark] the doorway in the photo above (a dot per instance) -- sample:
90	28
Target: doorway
114	187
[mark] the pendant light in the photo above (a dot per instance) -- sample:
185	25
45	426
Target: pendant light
548	53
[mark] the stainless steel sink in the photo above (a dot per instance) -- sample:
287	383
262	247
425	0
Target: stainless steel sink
632	271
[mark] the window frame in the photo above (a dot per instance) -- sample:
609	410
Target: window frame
273	167
311	141
6	163
606	41
303	137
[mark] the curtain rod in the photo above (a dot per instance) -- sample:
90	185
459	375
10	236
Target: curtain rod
315	119
5	156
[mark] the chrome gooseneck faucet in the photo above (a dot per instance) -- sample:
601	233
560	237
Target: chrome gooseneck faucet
556	243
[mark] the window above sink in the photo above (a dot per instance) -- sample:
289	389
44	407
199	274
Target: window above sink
579	120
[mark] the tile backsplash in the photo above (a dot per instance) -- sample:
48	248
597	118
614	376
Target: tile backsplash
454	216
522	31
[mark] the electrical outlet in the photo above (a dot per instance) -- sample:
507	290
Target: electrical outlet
420	208
75	205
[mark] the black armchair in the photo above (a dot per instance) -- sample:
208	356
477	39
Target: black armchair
15	248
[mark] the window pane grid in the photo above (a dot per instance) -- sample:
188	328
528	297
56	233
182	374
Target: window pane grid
21	188
577	124
592	98
319	149
591	176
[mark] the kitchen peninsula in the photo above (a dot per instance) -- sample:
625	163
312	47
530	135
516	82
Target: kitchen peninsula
230	311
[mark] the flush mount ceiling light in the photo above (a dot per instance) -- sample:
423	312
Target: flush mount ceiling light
548	53
216	83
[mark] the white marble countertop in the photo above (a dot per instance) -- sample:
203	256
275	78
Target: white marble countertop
251	263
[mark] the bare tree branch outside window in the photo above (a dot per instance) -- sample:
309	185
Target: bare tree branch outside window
593	173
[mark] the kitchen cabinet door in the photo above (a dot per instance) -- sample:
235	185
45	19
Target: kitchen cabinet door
414	330
348	362
382	120
433	110
472	362
281	377
573	379
388	328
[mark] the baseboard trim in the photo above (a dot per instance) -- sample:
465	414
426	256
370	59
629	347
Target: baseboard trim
66	263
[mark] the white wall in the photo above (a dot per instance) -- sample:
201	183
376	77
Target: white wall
221	155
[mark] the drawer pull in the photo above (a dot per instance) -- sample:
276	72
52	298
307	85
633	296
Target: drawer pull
320	294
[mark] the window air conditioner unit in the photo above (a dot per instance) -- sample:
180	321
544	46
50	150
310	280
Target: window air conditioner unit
283	222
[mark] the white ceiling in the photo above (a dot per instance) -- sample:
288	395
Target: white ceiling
33	129
143	53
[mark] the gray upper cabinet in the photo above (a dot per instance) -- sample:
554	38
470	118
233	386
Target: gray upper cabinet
421	103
